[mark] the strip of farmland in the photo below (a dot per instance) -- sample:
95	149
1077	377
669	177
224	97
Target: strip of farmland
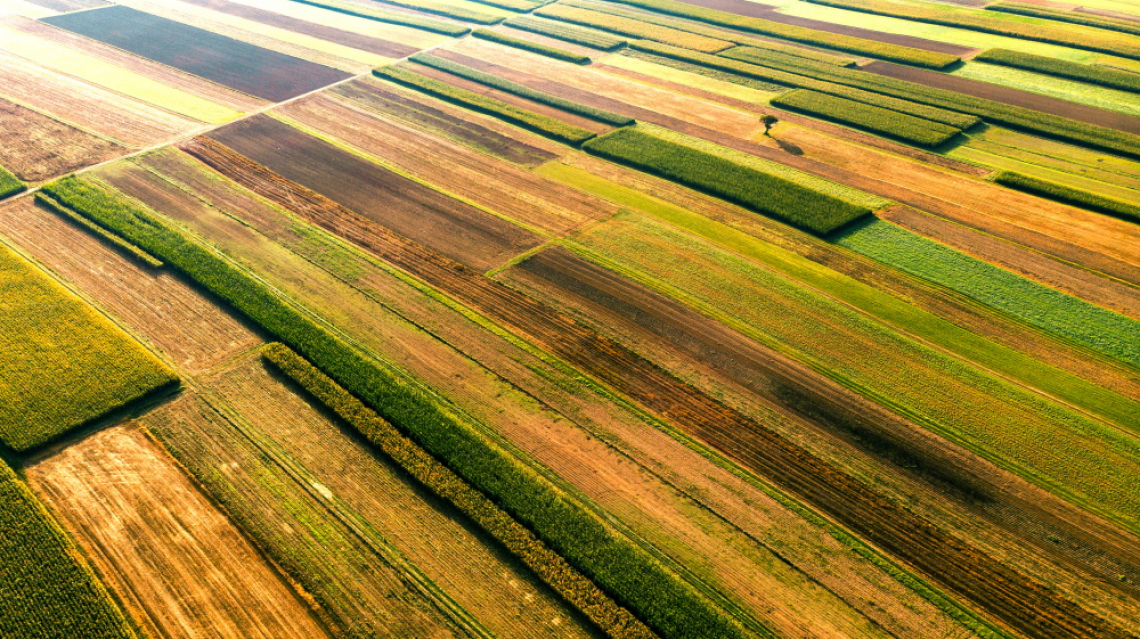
244	67
36	147
164	548
1022	601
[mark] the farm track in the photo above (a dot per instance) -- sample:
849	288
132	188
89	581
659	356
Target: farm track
1021	602
36	147
176	560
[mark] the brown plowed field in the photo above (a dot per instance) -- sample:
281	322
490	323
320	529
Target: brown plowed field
128	121
460	231
160	72
36	147
188	328
868	34
179	565
513	192
371	95
1019	601
1016	97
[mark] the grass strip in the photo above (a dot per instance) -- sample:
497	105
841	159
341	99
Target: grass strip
447	10
617	622
1099	75
770	193
893	124
9	184
124	246
521	6
780	70
567	33
1066	15
533	47
515	88
633	28
1068	195
46	590
533	121
1091	326
975	20
815	37
670	606
391	17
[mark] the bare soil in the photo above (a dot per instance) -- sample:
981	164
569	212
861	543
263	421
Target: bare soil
739	7
37	148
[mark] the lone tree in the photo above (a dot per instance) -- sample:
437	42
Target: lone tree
768	121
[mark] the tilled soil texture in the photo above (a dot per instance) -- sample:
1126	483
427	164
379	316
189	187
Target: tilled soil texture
739	7
339	36
168	75
510	191
459	231
1016	97
179	564
186	327
235	64
371	95
868	34
1022	603
118	117
36	147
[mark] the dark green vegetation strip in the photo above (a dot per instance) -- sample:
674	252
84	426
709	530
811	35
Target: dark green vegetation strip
815	37
617	622
526	119
1104	76
1035	304
560	31
633	27
666	603
515	88
392	17
1065	15
64	364
9	184
126	247
522	6
45	591
978	21
750	63
793	203
1068	195
782	71
872	118
533	47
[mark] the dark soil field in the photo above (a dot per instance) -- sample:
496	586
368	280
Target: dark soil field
245	67
36	147
460	231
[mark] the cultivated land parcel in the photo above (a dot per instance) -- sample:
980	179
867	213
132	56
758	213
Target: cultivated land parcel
583	319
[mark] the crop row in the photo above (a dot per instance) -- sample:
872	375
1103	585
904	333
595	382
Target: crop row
446	10
454	68
391	17
793	203
533	47
46	592
560	31
1066	15
661	599
1103	76
616	621
815	37
883	121
1045	124
633	28
979	21
1068	195
126	247
9	184
539	123
522	6
749	62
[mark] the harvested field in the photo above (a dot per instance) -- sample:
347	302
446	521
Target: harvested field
545	41
175	560
1045	104
457	230
188	328
739	7
1026	603
69	5
868	34
240	66
506	190
127	121
36	147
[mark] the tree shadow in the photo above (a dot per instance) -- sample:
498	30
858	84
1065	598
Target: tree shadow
788	147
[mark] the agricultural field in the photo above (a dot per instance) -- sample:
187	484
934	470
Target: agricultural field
570	319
